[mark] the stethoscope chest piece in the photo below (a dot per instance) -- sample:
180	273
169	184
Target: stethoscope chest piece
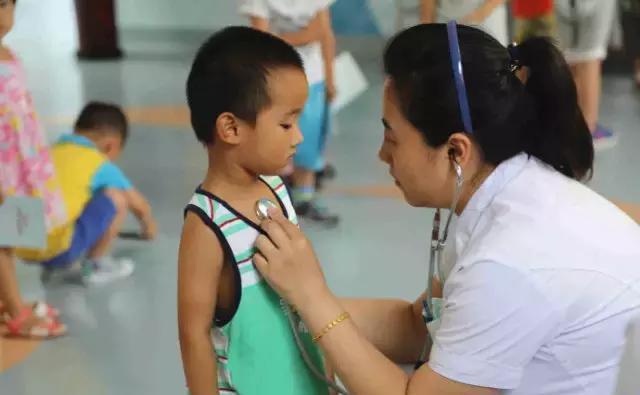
262	208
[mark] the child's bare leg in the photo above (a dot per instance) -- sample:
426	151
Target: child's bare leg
588	78
9	292
103	246
13	304
305	179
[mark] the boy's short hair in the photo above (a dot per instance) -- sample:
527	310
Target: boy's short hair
229	74
97	116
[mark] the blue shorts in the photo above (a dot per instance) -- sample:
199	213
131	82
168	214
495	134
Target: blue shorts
314	125
95	220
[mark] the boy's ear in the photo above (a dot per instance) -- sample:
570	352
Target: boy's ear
110	145
228	129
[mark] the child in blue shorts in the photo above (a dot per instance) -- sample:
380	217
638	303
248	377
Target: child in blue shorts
97	196
306	25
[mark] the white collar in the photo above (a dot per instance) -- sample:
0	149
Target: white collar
482	198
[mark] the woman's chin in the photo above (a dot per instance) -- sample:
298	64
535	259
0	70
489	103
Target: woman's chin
415	201
409	198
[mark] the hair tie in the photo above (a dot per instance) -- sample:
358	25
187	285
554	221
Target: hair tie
515	62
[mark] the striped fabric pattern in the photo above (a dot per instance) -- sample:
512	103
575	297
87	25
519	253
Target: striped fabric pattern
241	237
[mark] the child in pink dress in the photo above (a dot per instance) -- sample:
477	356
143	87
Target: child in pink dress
25	170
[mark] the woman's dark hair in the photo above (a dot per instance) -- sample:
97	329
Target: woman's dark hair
540	117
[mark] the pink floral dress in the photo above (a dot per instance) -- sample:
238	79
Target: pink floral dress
25	163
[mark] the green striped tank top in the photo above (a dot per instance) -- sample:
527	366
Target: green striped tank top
255	349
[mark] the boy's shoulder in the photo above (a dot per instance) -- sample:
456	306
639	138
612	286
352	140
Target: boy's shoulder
80	144
272	181
79	149
221	213
208	207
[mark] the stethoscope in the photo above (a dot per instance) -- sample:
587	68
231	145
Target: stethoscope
262	212
437	244
436	247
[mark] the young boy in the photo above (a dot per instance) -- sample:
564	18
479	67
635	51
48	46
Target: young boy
97	197
246	91
306	25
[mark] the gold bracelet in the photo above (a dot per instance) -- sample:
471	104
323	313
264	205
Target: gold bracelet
342	317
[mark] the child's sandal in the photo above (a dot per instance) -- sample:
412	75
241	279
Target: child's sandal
42	327
41	309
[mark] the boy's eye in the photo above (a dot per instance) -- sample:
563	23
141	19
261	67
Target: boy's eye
286	126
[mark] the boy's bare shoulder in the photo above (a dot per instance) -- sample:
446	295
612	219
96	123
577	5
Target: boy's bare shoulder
199	241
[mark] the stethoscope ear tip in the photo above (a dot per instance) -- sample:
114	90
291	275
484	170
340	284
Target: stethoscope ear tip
458	169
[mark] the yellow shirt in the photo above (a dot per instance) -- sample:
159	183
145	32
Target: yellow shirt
76	164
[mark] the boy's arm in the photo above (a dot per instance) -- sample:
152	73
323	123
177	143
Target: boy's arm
328	43
199	266
141	208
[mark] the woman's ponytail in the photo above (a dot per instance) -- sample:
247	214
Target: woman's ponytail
562	138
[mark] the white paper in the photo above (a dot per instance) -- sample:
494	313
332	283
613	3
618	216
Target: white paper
22	223
350	82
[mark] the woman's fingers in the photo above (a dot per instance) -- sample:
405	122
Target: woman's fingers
289	228
276	233
261	264
266	247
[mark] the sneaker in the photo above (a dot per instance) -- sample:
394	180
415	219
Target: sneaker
317	213
71	274
106	270
604	139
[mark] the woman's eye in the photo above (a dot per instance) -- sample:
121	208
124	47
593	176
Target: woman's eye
286	126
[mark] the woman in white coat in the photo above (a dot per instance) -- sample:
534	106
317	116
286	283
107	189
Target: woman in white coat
547	272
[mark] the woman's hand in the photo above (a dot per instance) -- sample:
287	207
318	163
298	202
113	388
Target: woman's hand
287	261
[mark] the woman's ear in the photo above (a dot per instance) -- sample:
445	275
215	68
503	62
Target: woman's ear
459	148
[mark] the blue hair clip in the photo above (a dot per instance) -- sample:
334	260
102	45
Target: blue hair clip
458	75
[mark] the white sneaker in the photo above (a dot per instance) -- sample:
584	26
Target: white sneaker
107	269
